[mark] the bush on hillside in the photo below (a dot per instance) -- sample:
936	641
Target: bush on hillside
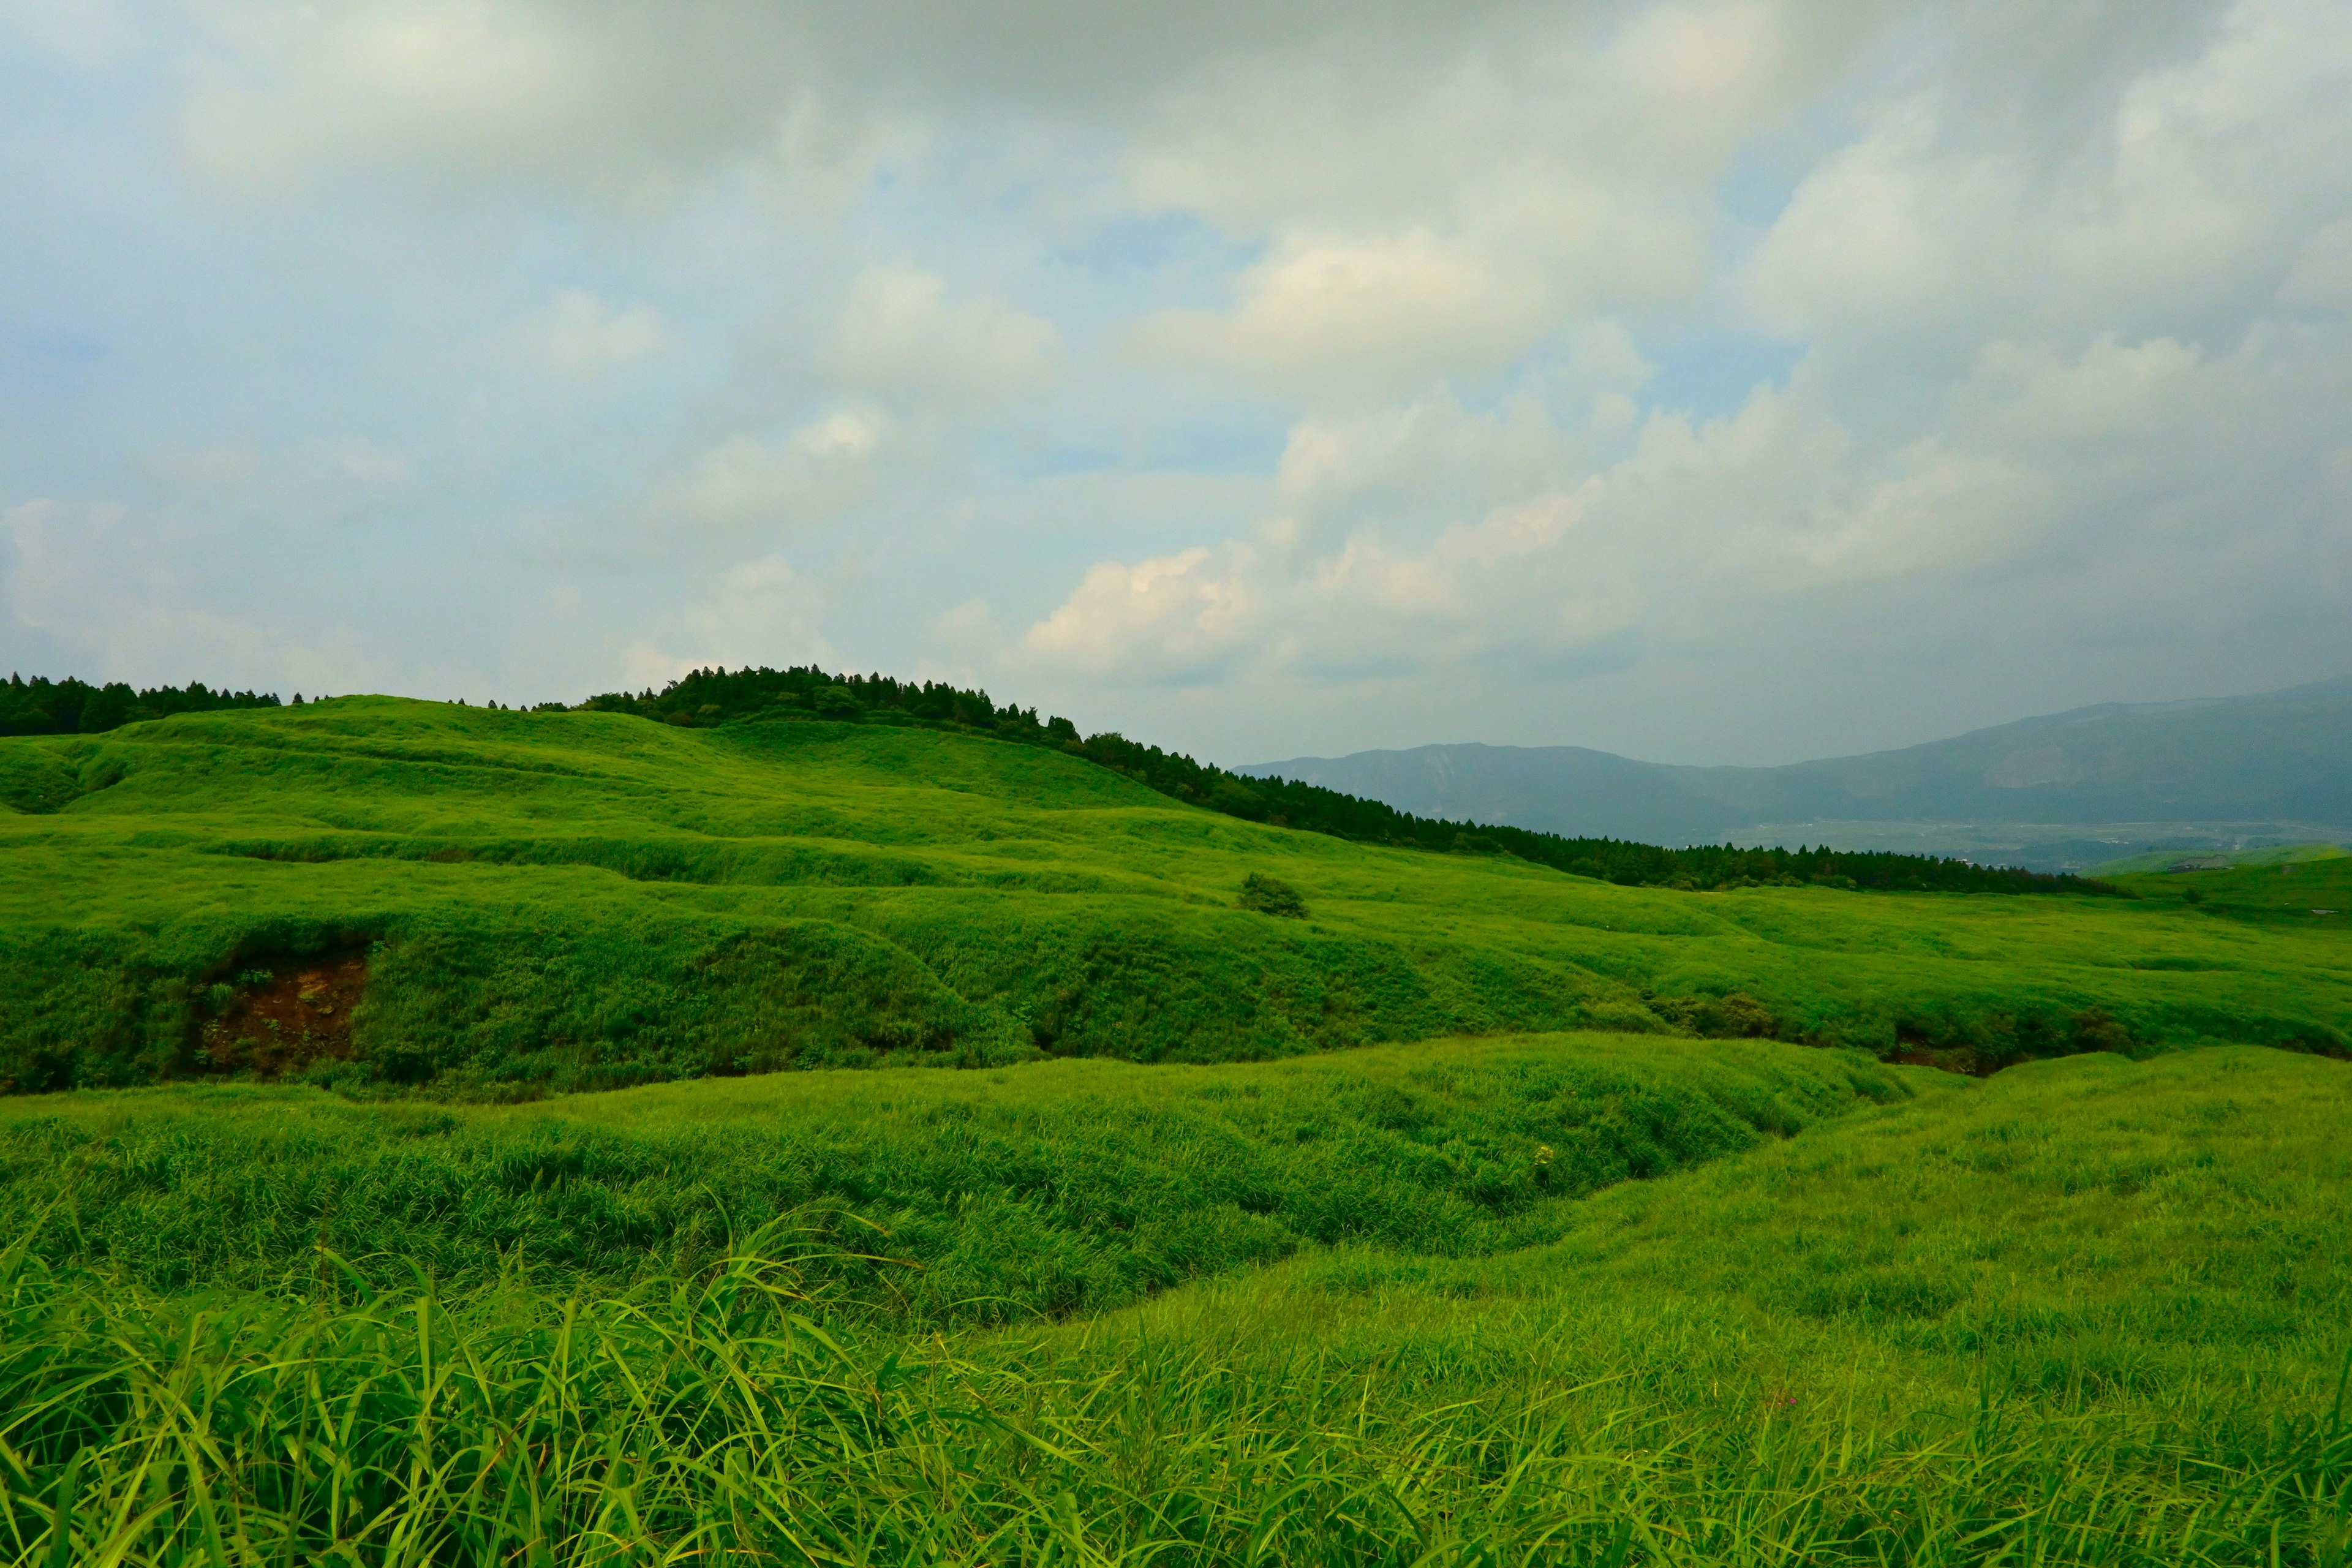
1266	895
1735	1016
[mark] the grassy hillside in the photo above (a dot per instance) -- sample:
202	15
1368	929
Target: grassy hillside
2088	1312
2284	896
2220	859
705	698
1205	1291
378	892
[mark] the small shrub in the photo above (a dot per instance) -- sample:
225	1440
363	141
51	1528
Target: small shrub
1733	1015
1623	1019
2098	1030
1266	895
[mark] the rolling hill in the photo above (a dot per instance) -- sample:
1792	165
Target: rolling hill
2055	793
385	894
311	1259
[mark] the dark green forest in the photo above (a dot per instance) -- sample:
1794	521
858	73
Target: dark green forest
710	697
44	706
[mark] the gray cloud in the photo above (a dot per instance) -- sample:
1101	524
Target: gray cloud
1267	379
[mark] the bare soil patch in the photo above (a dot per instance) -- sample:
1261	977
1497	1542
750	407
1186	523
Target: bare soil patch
283	1017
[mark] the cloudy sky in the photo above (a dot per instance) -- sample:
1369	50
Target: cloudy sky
1724	381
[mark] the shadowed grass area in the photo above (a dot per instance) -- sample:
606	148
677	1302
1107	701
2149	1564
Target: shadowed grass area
2087	1312
1054	1188
568	901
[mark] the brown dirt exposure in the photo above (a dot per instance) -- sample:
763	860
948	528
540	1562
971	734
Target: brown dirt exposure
1961	1059
301	1013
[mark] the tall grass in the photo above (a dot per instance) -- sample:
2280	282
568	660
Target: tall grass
1062	1188
2087	1312
722	1420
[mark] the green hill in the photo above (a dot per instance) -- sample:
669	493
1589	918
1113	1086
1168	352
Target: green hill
374	892
2220	859
1612	1284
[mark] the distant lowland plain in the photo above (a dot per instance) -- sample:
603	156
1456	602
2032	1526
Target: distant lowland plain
2114	787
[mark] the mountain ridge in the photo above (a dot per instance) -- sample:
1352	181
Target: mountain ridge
2196	765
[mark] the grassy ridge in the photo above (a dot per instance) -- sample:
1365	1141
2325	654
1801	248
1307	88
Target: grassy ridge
713	697
1061	1187
2090	1311
2299	895
554	902
2168	860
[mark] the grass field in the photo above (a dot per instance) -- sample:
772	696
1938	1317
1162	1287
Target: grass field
2089	1311
1634	1225
2292	896
379	892
1047	1189
2219	859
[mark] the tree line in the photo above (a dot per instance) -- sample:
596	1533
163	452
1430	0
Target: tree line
711	697
44	706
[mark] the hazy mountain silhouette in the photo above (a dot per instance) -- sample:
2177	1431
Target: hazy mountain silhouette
2279	757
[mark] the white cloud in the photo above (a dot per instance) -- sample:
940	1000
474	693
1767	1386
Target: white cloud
2041	468
2170	207
452	93
756	612
809	474
1181	618
2067	290
577	336
763	613
1436	214
91	581
1499	589
900	335
1382	313
1423	465
2322	279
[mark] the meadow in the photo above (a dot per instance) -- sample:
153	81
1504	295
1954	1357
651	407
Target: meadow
1053	1188
397	1174
2221	860
2088	1310
394	894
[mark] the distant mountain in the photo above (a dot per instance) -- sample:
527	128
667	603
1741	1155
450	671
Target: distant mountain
2282	758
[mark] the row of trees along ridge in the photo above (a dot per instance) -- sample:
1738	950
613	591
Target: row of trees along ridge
44	706
712	697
